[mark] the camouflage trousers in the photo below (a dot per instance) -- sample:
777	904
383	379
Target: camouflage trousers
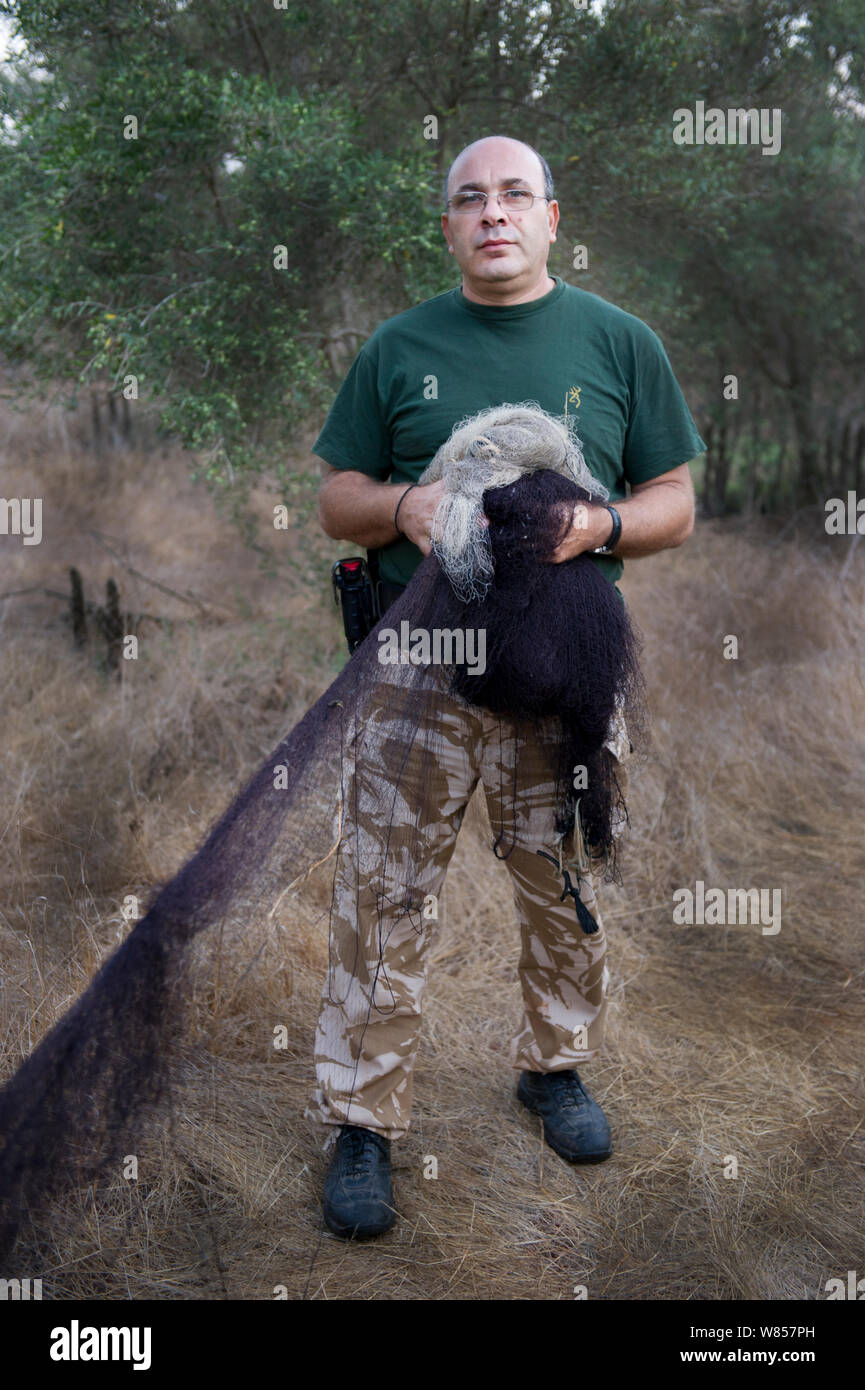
369	1022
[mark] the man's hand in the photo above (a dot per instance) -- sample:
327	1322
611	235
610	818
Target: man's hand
354	507
417	511
590	527
658	515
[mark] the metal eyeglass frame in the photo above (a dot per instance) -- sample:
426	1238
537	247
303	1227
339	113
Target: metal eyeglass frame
541	197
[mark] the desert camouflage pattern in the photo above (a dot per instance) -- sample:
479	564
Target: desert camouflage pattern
390	869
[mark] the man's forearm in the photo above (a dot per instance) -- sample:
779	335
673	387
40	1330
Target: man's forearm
658	519
355	507
657	516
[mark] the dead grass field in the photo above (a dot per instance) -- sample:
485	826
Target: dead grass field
722	1041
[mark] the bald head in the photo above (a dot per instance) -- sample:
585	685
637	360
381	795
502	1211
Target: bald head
497	142
501	250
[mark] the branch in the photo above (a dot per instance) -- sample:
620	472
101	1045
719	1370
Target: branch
190	598
196	284
91	608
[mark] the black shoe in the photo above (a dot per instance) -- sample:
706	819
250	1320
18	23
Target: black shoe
358	1195
574	1124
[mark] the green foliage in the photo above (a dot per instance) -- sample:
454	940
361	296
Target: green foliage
747	264
191	258
154	257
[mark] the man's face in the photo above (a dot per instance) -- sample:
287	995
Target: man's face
499	246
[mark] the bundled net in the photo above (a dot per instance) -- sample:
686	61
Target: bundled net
560	658
491	450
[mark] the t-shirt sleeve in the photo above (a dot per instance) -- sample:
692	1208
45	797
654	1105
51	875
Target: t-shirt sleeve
661	433
355	433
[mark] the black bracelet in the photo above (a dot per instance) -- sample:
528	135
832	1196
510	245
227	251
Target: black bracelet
396	513
615	535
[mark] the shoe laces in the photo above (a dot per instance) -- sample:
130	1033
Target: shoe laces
567	1088
363	1144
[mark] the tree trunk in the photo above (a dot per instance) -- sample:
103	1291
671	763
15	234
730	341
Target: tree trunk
808	480
717	472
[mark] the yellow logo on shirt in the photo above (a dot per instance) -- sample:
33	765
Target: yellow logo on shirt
572	397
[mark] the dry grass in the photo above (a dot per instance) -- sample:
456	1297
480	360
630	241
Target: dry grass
722	1041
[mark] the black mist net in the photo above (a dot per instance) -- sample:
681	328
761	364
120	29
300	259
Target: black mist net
560	655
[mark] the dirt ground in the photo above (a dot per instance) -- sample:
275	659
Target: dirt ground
732	1069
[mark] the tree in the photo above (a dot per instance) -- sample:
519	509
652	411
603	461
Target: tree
153	253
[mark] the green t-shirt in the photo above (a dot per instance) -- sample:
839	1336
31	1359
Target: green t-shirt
570	351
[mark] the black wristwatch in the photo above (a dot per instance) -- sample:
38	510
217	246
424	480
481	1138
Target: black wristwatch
615	535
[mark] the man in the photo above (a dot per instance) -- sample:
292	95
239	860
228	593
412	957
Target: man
511	333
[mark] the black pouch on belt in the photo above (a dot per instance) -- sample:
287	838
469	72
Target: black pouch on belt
354	589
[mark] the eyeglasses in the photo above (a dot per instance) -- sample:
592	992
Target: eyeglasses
512	199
